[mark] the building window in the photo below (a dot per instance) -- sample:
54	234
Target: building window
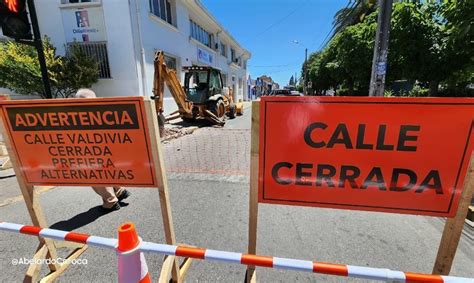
97	51
224	79
79	1
245	64
200	34
171	62
163	9
223	50
232	55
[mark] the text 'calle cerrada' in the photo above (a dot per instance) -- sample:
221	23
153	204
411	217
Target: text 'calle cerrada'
327	175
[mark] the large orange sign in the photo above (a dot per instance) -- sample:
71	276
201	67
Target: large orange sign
402	155
81	142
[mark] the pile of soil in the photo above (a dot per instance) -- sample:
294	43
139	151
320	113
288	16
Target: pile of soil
168	134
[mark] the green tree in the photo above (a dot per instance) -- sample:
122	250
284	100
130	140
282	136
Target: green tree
76	71
427	46
459	37
292	81
354	13
417	50
323	72
20	70
353	49
346	60
19	67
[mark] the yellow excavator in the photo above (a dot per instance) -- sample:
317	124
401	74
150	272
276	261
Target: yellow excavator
203	94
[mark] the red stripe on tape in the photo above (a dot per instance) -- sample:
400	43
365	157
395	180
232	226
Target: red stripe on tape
329	268
257	260
190	252
30	230
146	279
76	237
425	278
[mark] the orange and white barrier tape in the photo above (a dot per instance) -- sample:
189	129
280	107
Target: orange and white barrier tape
381	274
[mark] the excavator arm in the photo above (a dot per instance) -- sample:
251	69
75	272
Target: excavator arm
164	75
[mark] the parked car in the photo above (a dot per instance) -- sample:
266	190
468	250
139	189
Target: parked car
284	92
296	93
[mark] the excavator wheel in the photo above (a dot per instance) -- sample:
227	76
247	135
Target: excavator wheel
240	108
232	111
218	109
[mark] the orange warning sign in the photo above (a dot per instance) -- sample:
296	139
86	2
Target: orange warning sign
79	142
402	155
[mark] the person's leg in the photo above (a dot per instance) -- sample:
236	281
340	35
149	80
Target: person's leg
118	191
108	196
121	193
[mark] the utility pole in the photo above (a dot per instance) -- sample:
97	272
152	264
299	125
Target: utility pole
305	71
37	42
379	62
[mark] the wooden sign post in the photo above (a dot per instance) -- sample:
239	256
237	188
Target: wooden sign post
394	155
85	142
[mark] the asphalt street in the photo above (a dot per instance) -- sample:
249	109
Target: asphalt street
211	210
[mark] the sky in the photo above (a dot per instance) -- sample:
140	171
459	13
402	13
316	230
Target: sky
269	29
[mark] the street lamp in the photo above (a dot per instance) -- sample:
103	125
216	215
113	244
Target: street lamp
305	65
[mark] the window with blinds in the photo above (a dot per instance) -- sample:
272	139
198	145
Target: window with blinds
201	35
98	51
163	9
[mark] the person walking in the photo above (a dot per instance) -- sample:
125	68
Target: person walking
111	196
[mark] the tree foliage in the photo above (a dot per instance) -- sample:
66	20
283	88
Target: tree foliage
354	13
21	73
427	46
292	81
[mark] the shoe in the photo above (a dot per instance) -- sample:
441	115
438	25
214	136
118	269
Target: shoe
114	207
125	194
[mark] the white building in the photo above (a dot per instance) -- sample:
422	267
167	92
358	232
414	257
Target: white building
124	36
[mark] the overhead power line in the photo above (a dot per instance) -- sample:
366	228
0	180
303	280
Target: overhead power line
279	21
349	5
274	66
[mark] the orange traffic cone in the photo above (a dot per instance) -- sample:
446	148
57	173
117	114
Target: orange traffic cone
132	266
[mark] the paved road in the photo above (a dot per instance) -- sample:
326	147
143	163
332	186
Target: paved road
241	122
210	209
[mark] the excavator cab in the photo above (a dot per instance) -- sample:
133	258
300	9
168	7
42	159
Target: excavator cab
202	84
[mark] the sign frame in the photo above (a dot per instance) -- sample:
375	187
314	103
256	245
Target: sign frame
37	106
47	248
417	147
451	233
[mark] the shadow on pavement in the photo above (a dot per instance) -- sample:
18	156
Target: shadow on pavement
200	123
82	219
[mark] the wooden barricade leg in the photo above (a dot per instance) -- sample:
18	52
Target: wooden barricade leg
47	247
170	262
253	204
454	226
34	269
